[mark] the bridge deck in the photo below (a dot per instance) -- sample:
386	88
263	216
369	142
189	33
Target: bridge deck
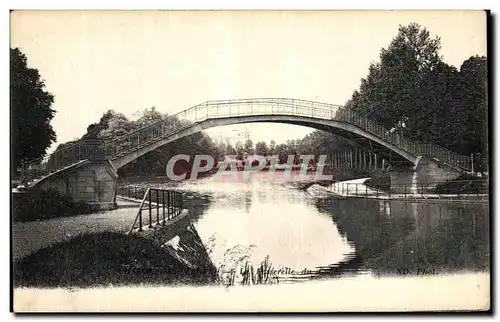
266	109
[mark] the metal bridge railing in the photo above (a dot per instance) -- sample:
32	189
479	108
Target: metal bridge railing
275	106
245	107
157	206
62	158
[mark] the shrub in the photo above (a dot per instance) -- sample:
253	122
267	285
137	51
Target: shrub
380	182
44	204
465	183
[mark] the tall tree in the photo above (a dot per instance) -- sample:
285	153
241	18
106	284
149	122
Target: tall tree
413	91
31	111
248	146
230	150
474	104
272	147
389	94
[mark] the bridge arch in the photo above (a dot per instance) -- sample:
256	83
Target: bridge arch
344	129
97	162
327	117
332	118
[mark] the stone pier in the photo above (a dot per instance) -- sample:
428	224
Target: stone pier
427	171
91	182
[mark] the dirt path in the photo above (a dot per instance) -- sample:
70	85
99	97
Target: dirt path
28	237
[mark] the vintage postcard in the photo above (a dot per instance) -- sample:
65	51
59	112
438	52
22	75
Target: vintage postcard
249	161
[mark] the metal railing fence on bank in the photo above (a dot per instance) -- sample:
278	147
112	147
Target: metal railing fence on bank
475	190
157	205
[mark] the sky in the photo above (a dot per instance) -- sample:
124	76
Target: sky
93	61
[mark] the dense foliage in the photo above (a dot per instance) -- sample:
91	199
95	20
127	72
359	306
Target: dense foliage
411	90
31	111
45	204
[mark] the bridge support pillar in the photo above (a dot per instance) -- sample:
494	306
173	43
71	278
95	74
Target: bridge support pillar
403	180
426	173
91	182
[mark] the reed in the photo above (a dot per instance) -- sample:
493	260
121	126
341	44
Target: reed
244	273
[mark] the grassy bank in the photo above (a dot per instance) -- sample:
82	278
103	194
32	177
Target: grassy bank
379	182
103	259
41	204
465	183
304	185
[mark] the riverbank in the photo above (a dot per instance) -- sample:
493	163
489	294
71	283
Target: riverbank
95	249
105	259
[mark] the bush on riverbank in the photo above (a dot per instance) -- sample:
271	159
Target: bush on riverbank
465	183
104	259
41	204
380	182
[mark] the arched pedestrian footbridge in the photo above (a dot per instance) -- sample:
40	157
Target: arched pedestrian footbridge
328	117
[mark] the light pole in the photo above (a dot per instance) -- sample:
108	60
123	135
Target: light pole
472	162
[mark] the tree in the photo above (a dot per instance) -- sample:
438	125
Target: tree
282	151
221	149
248	146
31	111
474	104
149	116
261	148
94	129
321	142
389	94
117	125
240	149
439	113
413	91
272	147
230	150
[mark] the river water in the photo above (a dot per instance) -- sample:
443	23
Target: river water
308	233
